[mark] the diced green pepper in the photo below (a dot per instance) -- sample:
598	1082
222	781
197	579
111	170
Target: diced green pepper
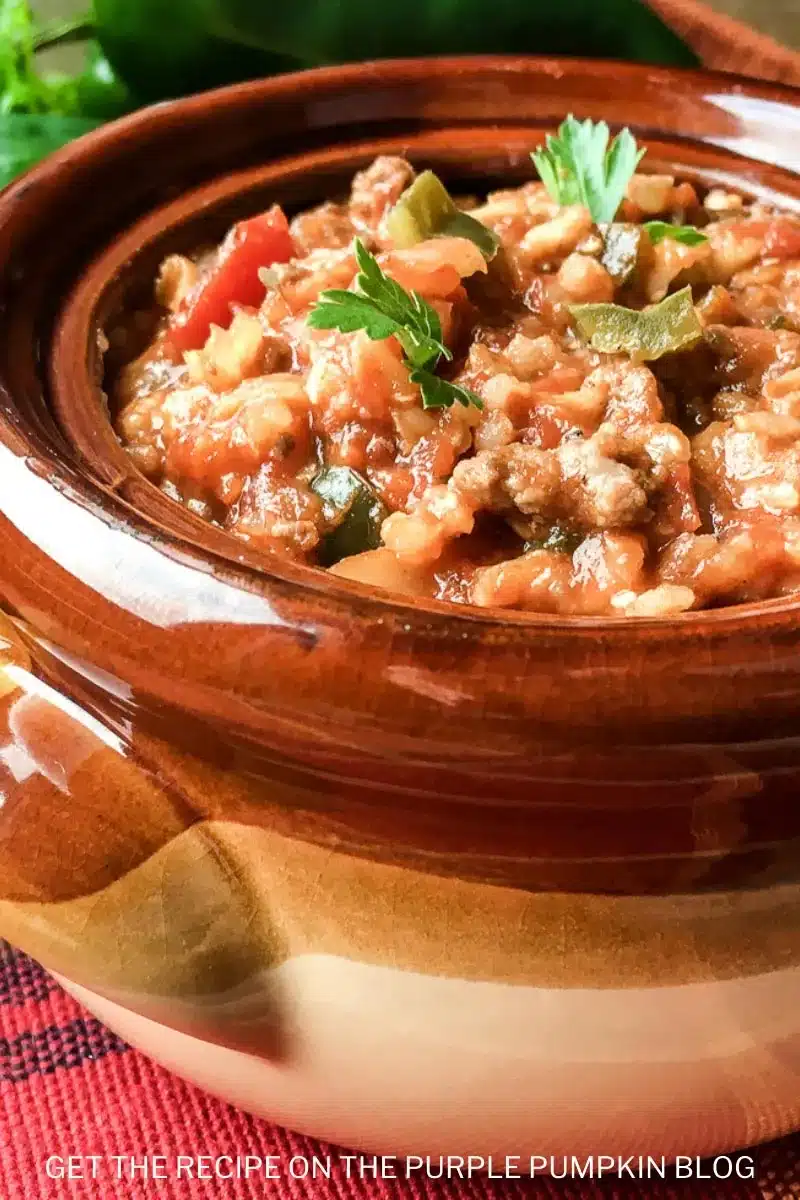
353	511
559	539
645	334
622	247
426	209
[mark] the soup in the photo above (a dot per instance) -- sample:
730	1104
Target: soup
580	396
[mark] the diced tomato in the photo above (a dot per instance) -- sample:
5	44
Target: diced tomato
546	427
560	379
783	238
233	279
780	235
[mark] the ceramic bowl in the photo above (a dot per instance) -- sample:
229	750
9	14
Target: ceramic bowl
410	877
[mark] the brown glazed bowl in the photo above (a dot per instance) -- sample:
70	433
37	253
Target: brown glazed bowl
411	877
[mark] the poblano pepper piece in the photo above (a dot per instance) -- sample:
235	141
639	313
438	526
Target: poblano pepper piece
645	334
353	511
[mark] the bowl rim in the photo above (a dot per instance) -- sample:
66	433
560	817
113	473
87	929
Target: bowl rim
382	68
507	623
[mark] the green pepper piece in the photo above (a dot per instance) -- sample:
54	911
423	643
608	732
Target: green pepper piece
645	334
99	92
622	246
426	209
353	509
559	539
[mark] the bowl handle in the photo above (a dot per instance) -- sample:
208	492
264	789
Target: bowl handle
109	873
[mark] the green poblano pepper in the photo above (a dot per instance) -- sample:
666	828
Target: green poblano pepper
168	47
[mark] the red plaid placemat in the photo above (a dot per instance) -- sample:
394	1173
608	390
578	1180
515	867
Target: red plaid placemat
69	1086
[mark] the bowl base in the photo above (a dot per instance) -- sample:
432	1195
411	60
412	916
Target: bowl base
400	1063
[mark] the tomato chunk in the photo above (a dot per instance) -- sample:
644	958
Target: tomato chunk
780	235
783	238
257	242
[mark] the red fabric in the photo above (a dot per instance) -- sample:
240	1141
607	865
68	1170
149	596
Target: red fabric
68	1086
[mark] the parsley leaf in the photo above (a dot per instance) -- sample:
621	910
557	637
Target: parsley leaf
42	111
441	393
658	230
22	89
347	311
577	166
382	308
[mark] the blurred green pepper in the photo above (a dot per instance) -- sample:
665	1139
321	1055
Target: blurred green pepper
168	47
99	91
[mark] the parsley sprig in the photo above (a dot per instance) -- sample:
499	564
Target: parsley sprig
578	166
687	234
382	308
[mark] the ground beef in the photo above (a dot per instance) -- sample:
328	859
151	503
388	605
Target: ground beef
589	484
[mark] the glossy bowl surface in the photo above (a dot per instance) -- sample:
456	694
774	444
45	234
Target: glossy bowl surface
333	855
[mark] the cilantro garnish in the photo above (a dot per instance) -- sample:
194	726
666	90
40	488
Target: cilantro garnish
658	230
578	166
382	308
